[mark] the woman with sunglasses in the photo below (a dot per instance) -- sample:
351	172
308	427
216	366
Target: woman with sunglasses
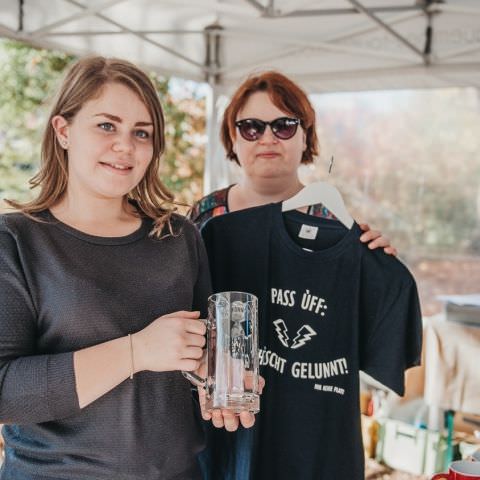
269	130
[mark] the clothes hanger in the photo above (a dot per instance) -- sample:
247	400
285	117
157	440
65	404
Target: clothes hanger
324	193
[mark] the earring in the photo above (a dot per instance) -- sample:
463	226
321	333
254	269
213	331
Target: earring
64	143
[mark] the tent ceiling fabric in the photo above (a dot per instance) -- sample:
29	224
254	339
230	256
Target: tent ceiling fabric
327	45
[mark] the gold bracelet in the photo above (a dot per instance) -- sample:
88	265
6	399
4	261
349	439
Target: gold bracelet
132	369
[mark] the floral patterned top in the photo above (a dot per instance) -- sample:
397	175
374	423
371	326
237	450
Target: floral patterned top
216	203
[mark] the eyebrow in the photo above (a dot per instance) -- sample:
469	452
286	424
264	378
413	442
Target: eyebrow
119	120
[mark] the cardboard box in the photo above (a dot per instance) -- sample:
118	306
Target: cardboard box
365	398
370	430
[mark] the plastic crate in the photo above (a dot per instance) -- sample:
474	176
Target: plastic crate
411	449
435	453
402	446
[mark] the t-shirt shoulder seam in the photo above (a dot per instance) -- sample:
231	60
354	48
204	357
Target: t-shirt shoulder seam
393	261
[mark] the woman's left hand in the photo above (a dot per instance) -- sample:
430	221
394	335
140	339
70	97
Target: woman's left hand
375	239
226	418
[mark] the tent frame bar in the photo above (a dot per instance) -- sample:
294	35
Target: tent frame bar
270	11
36	35
86	12
90	33
390	30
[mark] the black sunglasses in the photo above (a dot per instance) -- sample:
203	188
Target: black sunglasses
252	129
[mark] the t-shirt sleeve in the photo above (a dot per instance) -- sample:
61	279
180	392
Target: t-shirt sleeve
34	388
392	330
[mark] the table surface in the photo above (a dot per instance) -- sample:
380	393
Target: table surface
452	370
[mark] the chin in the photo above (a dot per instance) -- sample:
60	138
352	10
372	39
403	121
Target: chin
271	173
117	189
113	193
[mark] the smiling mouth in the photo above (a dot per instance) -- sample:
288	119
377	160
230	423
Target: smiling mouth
117	166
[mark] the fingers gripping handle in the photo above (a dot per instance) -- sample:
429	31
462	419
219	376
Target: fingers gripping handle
195	379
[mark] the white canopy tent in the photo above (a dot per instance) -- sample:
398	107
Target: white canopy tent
326	45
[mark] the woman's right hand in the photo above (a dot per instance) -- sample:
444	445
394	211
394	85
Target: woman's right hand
171	342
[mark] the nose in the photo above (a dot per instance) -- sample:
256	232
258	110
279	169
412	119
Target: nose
123	143
268	136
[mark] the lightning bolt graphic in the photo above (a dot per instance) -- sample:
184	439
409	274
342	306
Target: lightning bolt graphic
304	334
281	330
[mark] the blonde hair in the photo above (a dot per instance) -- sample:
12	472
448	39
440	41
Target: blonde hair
83	82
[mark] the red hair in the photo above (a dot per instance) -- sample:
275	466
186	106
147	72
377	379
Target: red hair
285	95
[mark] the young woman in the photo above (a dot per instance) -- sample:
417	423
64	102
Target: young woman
102	287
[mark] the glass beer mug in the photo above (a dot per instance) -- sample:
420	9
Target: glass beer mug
232	353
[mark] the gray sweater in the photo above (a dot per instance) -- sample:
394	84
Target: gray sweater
62	290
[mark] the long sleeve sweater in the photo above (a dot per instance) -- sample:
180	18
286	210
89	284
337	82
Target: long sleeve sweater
62	290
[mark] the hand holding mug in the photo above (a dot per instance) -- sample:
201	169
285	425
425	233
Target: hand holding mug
171	342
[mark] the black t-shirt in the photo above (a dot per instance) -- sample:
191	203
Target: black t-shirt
324	313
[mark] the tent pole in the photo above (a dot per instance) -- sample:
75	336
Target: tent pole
215	173
211	139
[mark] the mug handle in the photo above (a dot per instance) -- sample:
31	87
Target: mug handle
440	476
195	379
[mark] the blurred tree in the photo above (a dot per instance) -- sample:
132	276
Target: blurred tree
407	162
30	76
183	160
27	77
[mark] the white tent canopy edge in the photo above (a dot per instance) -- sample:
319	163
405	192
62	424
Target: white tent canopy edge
326	45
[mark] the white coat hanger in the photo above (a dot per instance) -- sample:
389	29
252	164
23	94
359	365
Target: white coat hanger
324	193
